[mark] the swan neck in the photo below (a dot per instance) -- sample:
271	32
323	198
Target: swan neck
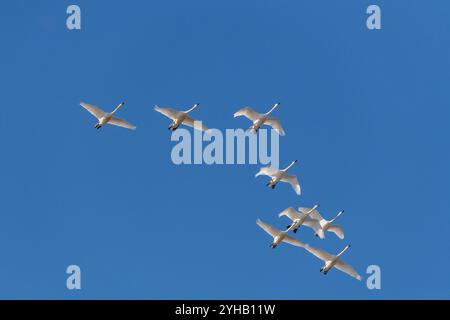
193	107
117	108
289	166
273	108
343	251
312	209
337	216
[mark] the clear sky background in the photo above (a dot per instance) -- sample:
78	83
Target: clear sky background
366	114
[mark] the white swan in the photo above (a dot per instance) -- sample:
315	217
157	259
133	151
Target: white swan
280	175
279	236
181	117
333	261
105	117
300	218
325	225
260	119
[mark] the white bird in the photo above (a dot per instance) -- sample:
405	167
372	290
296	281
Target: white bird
181	117
280	175
279	236
105	117
259	119
300	218
325	225
333	261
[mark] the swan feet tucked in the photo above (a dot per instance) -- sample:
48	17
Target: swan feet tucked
97	126
270	184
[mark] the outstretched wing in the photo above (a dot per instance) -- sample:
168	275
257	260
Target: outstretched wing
249	113
293	181
268	228
121	123
168	112
95	111
196	124
291	213
314	214
337	230
315	225
293	241
348	269
322	255
267	171
276	125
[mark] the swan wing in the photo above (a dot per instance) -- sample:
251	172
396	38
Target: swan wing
293	241
268	228
322	255
196	124
95	111
121	123
313	215
293	181
291	213
348	269
168	112
249	113
267	171
337	230
276	125
315	225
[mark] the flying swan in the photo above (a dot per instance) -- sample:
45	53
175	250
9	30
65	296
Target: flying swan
280	175
325	225
181	117
279	236
260	119
300	218
333	261
104	117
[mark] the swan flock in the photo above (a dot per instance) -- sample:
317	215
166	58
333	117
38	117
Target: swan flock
303	217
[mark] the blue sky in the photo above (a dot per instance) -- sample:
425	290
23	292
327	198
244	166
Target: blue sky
365	112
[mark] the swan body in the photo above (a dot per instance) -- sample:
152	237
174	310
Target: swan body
181	117
280	175
331	261
260	119
279	236
300	218
105	117
325	225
